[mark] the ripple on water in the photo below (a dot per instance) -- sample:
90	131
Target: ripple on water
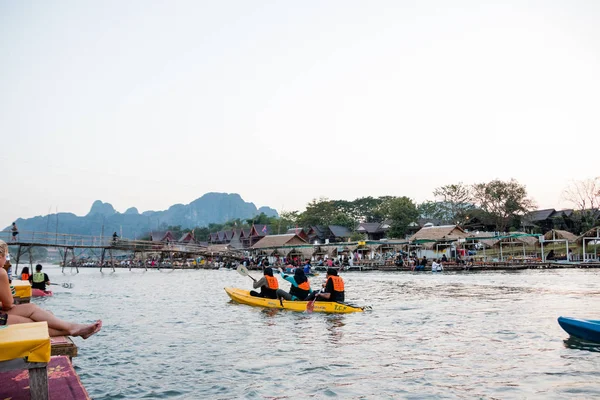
175	334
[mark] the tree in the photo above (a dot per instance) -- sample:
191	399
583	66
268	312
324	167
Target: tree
585	195
455	201
287	220
402	211
433	210
365	209
318	212
503	200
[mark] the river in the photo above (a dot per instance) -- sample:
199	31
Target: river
175	334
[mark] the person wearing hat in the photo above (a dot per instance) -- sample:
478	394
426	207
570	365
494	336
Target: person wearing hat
334	288
300	288
268	284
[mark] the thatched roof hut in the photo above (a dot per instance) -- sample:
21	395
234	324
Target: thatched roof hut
592	233
557	234
487	239
219	248
519	237
288	239
432	234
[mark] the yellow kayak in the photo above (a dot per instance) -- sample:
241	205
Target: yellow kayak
243	297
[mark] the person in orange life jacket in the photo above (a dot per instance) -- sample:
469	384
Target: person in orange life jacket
334	288
268	284
300	288
25	274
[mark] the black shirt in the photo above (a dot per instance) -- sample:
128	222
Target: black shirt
40	285
335	296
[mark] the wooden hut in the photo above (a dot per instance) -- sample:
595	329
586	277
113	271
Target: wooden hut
521	239
373	230
590	237
430	235
257	233
298	231
434	239
285	245
187	237
236	239
275	241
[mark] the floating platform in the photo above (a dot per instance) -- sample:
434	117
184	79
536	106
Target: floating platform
63	382
63	346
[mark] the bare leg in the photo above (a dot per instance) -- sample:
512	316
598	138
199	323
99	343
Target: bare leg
23	313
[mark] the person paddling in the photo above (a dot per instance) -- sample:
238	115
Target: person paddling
268	284
334	288
39	280
300	288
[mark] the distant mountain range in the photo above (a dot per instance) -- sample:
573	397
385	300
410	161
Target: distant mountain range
210	208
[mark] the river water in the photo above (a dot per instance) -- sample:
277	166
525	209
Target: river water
175	334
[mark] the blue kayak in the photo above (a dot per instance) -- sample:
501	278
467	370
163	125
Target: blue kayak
586	329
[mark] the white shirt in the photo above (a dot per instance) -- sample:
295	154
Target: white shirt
436	267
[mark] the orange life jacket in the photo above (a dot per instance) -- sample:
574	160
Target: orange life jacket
338	283
300	291
24	277
272	282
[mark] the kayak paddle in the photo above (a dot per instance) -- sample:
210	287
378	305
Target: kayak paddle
242	270
310	306
65	285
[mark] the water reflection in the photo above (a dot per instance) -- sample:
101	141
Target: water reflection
334	324
578	344
269	312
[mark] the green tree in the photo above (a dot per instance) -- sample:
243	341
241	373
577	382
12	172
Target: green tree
503	200
318	212
454	201
287	220
401	211
366	209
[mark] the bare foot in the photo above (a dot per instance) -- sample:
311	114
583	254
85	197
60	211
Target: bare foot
85	331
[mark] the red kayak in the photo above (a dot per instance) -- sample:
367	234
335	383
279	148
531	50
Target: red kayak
40	293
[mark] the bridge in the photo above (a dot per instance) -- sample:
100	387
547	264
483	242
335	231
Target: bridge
25	241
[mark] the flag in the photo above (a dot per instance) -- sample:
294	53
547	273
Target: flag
264	229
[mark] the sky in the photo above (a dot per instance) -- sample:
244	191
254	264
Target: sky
152	103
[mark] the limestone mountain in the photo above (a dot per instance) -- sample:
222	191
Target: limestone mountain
104	219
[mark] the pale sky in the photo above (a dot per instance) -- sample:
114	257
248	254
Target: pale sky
152	103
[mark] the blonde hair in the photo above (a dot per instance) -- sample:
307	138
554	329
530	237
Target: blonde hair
3	247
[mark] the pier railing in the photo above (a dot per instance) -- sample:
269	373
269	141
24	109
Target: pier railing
53	239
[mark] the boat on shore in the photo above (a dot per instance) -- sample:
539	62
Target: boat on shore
243	297
586	329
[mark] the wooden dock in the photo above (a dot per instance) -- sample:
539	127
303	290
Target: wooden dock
63	383
490	266
104	248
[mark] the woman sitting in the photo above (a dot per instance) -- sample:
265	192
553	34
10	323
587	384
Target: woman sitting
11	313
25	274
300	288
